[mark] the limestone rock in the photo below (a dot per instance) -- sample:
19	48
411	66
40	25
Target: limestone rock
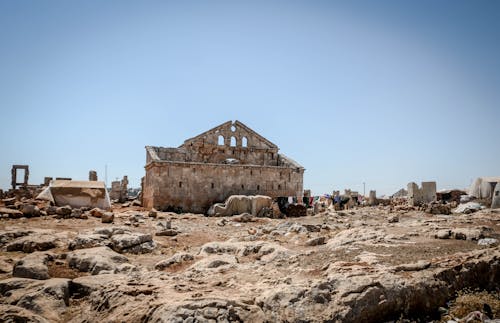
393	219
133	242
176	259
97	212
238	204
12	313
315	241
5	267
420	265
33	266
64	210
167	232
7	236
48	298
13	214
244	217
95	260
489	242
90	240
443	234
214	262
38	241
29	210
87	284
51	210
107	217
467	234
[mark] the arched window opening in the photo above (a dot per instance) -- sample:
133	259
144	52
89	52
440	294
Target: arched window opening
244	142
233	141
221	140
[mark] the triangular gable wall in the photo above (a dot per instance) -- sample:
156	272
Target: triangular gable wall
225	130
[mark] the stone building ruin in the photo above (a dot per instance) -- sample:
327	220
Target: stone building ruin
14	170
230	159
418	196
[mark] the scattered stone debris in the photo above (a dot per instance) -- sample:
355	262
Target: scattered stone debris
468	208
350	264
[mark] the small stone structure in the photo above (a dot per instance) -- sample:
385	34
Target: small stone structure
92	176
119	190
418	196
47	180
372	198
14	170
230	159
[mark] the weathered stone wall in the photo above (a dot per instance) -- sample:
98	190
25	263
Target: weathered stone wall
230	159
495	201
196	186
426	194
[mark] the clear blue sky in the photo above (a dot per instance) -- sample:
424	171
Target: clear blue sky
382	92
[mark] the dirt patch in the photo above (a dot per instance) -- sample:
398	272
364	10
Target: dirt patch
61	270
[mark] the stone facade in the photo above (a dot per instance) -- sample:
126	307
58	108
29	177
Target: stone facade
418	196
230	159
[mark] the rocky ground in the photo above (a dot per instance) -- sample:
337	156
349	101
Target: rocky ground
365	265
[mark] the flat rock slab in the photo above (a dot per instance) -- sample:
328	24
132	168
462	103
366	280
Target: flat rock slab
36	241
133	242
95	260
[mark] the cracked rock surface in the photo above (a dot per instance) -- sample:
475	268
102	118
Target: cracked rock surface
355	266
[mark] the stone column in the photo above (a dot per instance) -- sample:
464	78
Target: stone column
372	198
92	176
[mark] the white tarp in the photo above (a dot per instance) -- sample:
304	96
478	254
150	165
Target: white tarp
77	194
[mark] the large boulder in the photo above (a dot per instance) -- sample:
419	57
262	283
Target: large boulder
30	210
132	242
238	204
96	260
33	266
88	240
